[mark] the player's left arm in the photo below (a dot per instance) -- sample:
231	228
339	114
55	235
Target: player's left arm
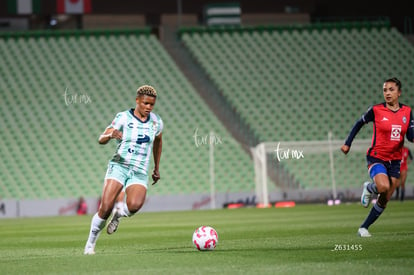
157	149
410	130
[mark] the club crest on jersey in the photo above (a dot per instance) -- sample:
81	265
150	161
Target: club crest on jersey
154	125
395	132
404	119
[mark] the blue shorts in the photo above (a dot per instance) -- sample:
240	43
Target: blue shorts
125	175
377	166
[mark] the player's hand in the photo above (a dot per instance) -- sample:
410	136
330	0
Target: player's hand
116	134
108	135
155	176
345	149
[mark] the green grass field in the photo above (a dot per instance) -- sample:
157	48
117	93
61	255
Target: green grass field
311	239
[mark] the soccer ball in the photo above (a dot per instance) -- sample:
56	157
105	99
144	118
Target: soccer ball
205	238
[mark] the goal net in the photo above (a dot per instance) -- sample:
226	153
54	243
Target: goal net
308	170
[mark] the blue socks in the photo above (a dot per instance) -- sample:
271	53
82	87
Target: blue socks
372	188
373	215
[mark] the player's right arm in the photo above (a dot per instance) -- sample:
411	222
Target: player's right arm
114	130
109	134
367	117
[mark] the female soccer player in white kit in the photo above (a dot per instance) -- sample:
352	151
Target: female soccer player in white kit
138	132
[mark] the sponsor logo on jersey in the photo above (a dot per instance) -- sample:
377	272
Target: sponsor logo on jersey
395	132
136	152
143	139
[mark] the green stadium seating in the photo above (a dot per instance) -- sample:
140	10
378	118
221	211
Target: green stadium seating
50	148
304	81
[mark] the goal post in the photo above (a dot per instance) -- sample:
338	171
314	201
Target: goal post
294	151
259	154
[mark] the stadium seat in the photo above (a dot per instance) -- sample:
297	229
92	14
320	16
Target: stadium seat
52	140
318	78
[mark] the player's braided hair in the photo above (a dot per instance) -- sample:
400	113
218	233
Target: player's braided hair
147	90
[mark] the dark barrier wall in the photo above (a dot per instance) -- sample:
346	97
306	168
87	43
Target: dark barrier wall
398	11
317	7
171	6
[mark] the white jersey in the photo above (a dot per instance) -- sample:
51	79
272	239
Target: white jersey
134	150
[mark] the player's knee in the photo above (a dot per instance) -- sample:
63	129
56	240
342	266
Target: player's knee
382	186
135	206
104	211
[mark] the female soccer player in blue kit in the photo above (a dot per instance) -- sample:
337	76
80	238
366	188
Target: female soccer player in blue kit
137	131
392	121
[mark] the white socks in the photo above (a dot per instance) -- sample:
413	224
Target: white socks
97	225
118	205
123	211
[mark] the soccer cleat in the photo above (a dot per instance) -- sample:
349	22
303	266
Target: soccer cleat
366	195
363	232
113	225
89	249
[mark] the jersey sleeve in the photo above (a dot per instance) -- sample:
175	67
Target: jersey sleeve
410	129
365	118
117	122
160	127
369	115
